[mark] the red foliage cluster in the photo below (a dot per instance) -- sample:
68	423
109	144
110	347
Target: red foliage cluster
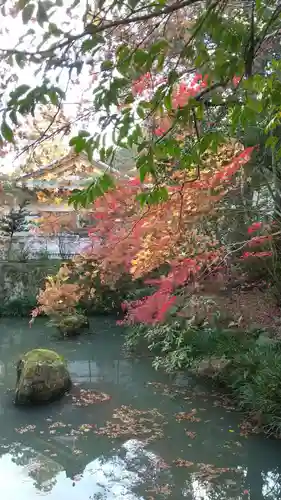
128	239
146	84
246	255
257	241
185	90
254	227
135	241
236	80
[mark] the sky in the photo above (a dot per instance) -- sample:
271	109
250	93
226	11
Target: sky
11	30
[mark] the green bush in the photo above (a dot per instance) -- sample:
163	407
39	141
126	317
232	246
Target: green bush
19	308
251	369
254	377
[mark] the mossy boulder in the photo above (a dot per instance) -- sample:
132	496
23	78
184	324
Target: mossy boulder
70	325
42	376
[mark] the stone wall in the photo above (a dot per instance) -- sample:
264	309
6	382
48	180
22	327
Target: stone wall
24	279
34	246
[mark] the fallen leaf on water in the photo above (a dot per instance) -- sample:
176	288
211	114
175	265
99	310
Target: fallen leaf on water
164	490
190	434
210	472
179	462
28	428
77	452
188	416
127	421
56	425
87	397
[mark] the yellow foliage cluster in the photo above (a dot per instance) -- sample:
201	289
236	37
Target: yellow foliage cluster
59	297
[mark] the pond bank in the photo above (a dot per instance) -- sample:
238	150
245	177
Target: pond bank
126	431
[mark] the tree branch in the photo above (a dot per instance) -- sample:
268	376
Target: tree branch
93	30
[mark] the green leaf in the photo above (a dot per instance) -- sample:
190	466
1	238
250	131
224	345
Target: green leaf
106	65
20	60
153	197
13	117
160	62
255	105
22	89
140	112
78	142
159	46
145	165
172	77
271	142
7	132
41	16
133	3
140	57
85	197
21	4
168	102
54	98
54	30
88	44
27	13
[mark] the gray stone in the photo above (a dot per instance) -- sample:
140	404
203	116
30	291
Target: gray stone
42	376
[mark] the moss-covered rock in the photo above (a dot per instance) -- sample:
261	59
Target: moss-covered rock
70	325
42	376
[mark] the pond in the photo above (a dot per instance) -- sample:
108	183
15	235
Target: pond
125	431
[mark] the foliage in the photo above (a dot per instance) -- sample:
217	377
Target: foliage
14	221
59	304
247	363
69	325
53	223
21	307
155	71
130	239
62	296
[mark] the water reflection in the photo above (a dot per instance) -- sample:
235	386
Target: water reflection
58	452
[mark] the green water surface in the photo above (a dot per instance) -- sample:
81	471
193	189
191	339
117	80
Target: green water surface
153	437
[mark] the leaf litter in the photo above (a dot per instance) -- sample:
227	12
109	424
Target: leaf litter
189	416
221	400
190	434
27	428
86	397
206	472
127	421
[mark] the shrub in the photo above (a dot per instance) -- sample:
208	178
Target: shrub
254	377
248	363
69	325
20	307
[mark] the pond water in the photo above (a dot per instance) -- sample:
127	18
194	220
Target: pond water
125	431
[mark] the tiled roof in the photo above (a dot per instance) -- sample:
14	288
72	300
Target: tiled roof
64	164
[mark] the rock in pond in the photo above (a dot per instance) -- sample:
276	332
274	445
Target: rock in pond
42	376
